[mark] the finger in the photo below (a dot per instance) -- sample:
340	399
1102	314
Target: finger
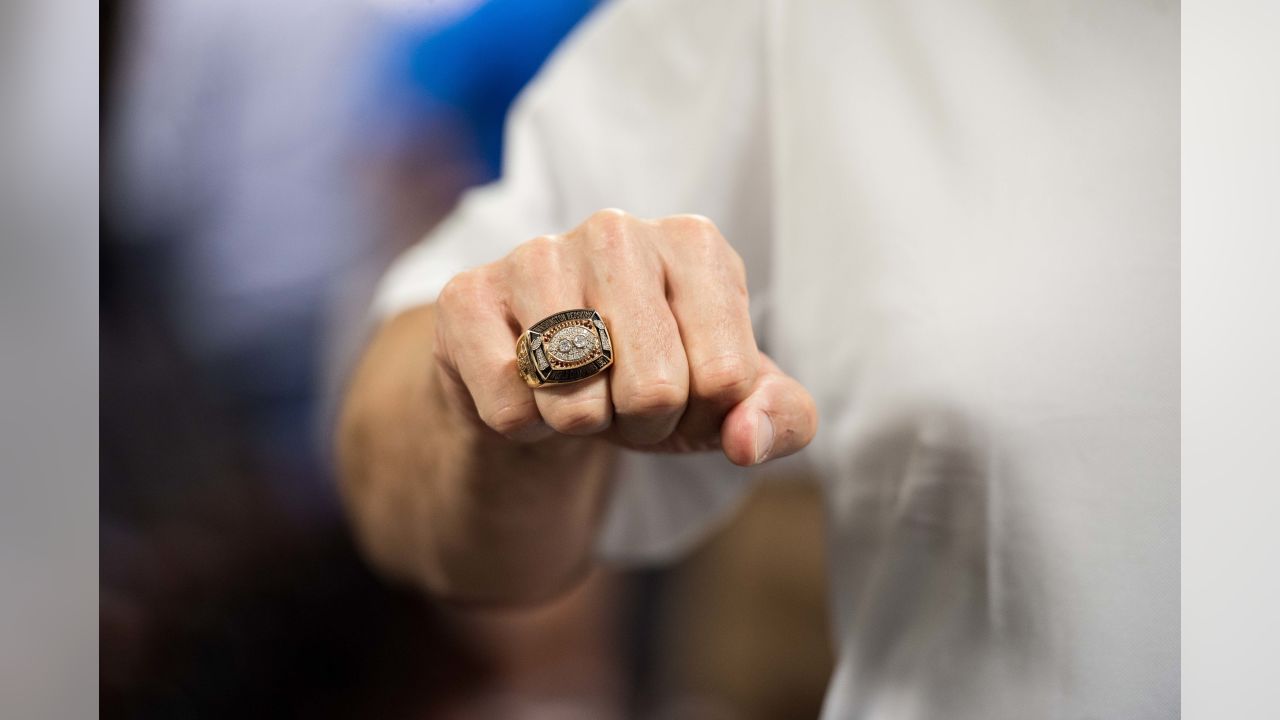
777	419
544	279
476	342
707	287
650	380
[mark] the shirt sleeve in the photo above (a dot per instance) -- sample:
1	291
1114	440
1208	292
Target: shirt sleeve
657	107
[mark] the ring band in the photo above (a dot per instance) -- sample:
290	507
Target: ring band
564	348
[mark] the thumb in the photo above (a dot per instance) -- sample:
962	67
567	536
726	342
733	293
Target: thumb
777	419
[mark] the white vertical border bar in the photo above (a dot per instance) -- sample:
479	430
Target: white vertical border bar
1231	358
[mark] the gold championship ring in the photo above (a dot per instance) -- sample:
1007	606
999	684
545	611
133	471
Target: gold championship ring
564	348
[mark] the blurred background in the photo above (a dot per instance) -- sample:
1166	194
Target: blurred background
262	161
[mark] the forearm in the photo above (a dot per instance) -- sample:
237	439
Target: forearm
443	502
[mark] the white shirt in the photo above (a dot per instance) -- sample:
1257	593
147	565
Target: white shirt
960	222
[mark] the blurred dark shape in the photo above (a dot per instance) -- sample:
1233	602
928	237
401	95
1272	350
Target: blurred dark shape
214	601
230	178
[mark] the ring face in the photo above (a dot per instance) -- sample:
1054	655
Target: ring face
563	348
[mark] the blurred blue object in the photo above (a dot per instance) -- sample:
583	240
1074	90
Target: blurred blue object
474	67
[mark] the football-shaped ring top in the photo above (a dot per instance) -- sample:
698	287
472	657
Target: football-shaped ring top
566	347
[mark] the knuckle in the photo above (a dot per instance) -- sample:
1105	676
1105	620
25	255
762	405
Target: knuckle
727	377
586	416
512	418
701	240
696	228
607	229
540	252
653	399
463	289
607	218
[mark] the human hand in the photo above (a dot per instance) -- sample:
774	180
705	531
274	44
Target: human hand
688	375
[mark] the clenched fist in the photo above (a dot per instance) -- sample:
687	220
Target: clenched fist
687	373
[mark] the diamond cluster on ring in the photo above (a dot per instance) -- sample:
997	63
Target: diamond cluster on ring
572	344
